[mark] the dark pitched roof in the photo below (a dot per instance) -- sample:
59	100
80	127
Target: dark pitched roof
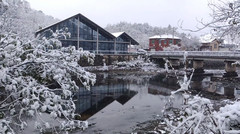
84	19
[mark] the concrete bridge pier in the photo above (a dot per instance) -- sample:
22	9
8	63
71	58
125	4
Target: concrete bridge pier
175	63
230	69
198	66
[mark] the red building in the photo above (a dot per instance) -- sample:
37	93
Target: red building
157	42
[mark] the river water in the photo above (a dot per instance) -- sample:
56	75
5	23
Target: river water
120	101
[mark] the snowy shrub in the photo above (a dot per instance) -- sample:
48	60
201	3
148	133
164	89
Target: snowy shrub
38	77
196	116
228	117
139	62
172	47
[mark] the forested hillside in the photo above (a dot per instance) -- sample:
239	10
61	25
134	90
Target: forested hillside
18	17
142	32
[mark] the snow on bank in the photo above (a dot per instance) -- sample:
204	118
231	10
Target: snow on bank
137	65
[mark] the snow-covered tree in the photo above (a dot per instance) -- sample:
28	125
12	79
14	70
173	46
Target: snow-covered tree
189	42
225	18
18	17
40	77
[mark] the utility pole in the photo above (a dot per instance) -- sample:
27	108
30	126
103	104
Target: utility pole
173	37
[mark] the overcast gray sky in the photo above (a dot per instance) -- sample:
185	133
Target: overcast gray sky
155	12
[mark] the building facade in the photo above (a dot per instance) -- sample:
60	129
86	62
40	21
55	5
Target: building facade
88	35
212	45
158	43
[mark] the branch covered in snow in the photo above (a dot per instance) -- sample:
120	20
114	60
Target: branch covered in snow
38	77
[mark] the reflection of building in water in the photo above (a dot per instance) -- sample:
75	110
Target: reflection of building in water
229	91
197	83
220	90
162	85
204	84
156	90
165	81
90	102
213	87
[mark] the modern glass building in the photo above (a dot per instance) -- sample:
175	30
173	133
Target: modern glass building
88	35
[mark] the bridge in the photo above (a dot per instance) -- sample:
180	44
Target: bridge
198	58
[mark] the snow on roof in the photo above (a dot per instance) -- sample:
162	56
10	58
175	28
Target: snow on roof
155	37
165	36
207	38
117	34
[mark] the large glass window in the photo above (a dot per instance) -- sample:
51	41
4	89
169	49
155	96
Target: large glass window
106	47
122	39
90	46
122	47
47	33
103	38
86	32
71	25
94	35
67	43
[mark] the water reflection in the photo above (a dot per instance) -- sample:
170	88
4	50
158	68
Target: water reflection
110	88
119	101
106	91
163	85
215	88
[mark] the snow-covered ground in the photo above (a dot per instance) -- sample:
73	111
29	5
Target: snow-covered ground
137	65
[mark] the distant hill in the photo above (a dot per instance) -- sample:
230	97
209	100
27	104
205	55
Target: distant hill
142	31
18	17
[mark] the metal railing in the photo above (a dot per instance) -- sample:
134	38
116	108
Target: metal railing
112	52
196	54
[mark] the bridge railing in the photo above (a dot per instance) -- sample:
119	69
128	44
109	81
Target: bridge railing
196	53
112	52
